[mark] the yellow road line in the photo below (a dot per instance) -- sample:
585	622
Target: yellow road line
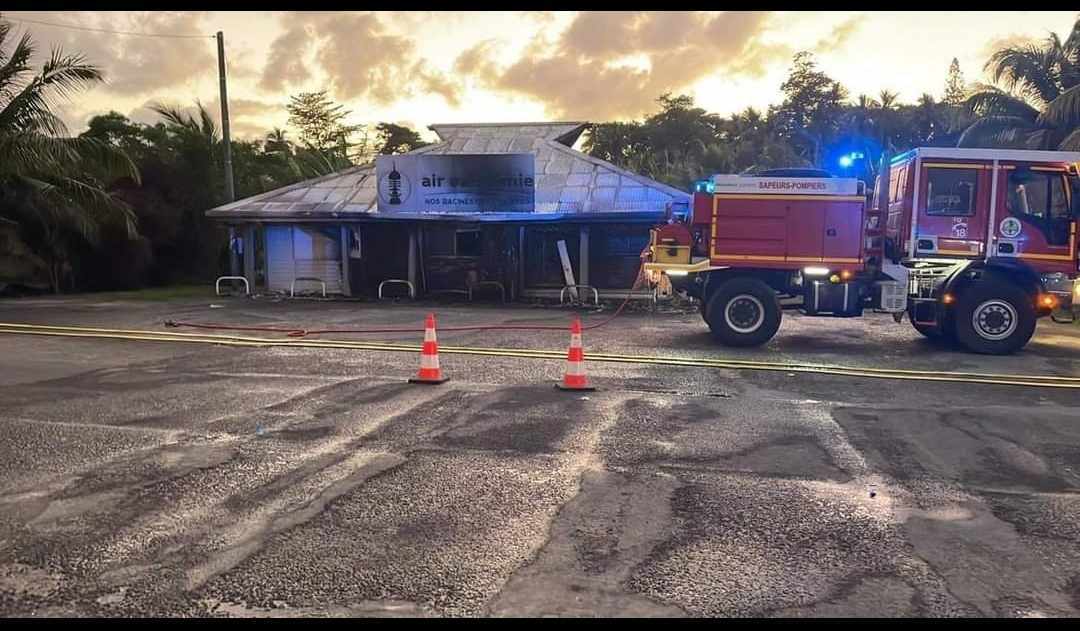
1048	381
516	352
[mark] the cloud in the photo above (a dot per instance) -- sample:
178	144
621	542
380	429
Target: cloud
133	65
361	57
839	36
477	61
579	75
286	63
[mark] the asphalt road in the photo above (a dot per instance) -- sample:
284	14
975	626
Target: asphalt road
164	479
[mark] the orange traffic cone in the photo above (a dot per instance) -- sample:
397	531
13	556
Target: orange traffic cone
429	356
575	378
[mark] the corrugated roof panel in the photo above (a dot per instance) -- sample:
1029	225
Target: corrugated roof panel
294	195
583	184
316	195
559	165
583	166
336	195
474	145
603	194
551	181
499	144
607	179
574	194
579	179
521	145
347	181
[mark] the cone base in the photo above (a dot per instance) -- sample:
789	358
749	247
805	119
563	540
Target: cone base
560	386
430	382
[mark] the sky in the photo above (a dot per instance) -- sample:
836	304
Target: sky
419	68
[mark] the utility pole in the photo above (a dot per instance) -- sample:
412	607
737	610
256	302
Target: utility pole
230	191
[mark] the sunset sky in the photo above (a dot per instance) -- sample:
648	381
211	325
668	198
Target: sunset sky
419	68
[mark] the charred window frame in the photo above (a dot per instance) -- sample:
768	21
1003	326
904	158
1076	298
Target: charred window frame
951	192
1040	198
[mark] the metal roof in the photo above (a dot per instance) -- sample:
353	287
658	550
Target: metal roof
569	183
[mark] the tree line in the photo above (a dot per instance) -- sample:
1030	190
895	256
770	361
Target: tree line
122	205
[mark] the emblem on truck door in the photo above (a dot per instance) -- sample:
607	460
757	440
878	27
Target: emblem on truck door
1010	227
959	229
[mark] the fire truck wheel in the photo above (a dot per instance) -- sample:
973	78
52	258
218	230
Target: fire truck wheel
994	318
743	312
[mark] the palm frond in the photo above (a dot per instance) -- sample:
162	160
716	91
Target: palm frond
994	131
51	207
1064	111
67	74
174	116
1028	69
1071	142
988	100
18	63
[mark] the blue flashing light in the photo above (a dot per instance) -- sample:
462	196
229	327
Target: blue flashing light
704	186
846	161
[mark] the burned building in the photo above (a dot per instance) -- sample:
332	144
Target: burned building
352	230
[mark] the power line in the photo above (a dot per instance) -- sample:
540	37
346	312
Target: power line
103	30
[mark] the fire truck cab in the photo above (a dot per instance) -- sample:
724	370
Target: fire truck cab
972	244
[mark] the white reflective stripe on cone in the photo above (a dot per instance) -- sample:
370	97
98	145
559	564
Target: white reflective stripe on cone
429	335
575	368
429	361
575	339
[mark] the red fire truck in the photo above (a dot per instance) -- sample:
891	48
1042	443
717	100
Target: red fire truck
972	244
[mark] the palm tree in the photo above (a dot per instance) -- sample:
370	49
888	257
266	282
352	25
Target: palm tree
1038	106
52	184
277	142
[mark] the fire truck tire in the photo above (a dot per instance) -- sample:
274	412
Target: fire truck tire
743	312
994	318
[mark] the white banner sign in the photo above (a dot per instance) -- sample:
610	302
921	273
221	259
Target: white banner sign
785	185
456	183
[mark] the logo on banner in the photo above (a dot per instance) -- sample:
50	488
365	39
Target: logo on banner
1010	227
395	187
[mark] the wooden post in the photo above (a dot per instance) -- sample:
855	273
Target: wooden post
249	253
412	256
521	261
234	258
230	193
346	284
568	270
583	255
